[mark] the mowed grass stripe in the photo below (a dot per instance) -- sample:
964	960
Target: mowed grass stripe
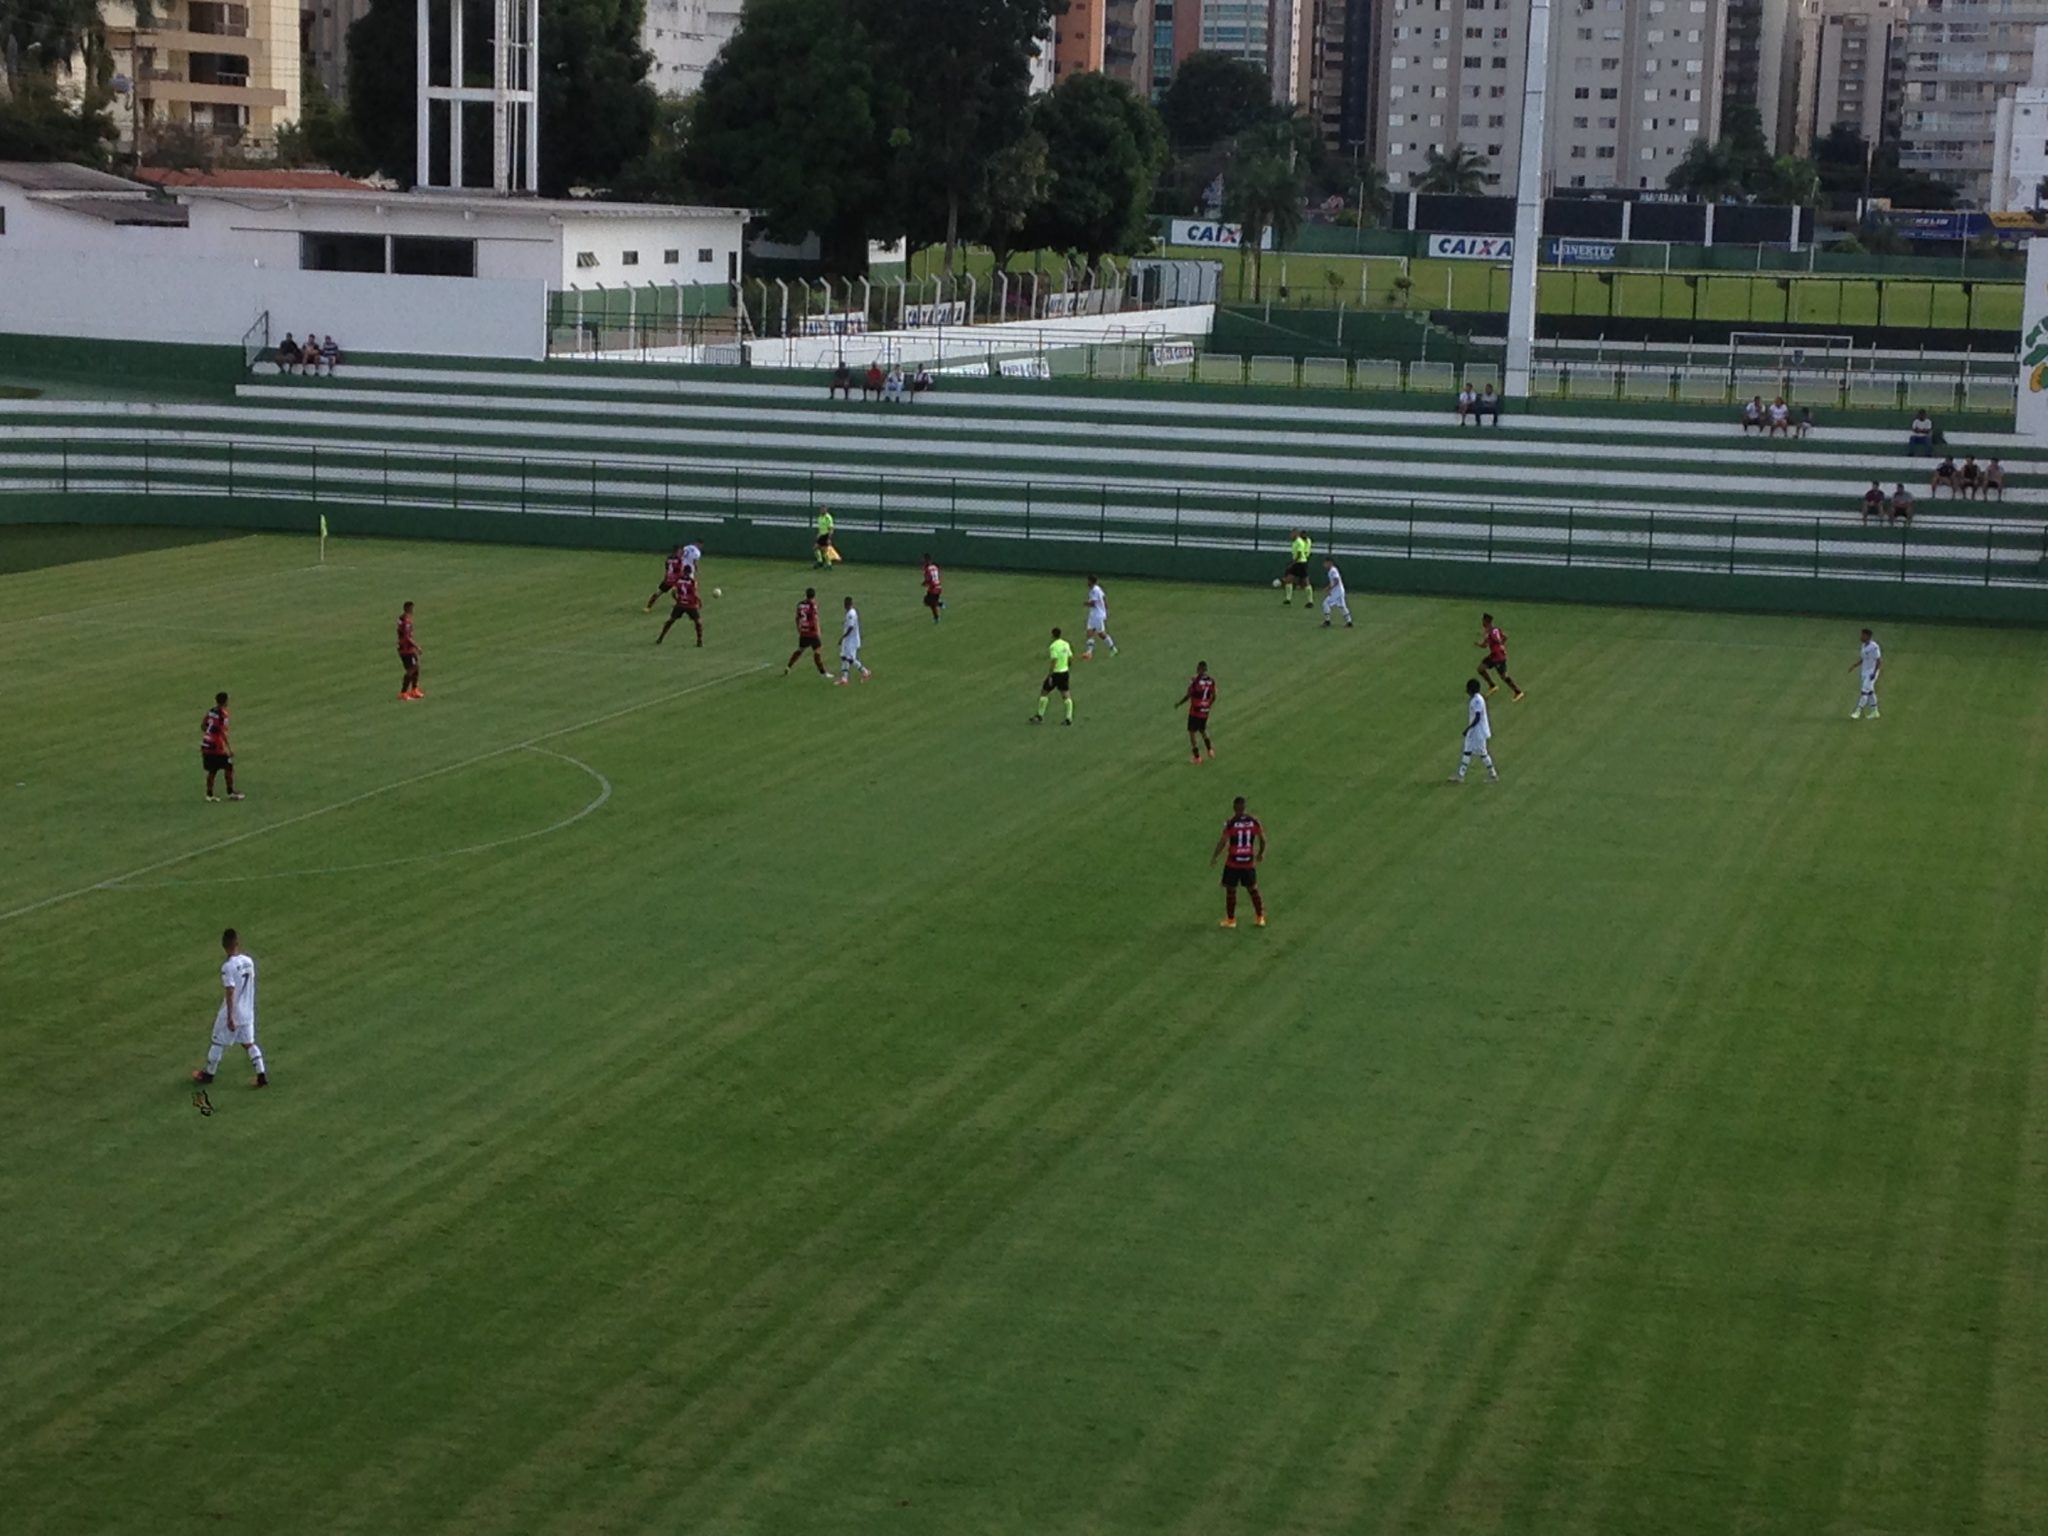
861	1119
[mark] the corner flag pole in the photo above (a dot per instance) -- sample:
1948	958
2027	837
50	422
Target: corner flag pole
323	538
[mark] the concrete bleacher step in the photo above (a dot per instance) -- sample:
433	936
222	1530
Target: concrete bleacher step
624	380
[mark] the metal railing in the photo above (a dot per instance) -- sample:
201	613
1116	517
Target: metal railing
1253	523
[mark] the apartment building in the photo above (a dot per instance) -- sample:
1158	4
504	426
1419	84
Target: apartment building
684	37
2019	161
227	70
1962	57
1848	68
1078	34
1632	84
323	37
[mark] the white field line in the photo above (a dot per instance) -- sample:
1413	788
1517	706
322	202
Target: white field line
382	789
604	793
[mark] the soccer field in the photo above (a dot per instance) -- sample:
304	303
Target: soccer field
711	1101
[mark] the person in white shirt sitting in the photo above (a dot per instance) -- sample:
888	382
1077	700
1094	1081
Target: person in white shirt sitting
1468	402
892	386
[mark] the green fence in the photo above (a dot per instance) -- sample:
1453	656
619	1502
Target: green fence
1951	567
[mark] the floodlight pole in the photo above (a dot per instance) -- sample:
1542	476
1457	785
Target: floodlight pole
1521	354
513	96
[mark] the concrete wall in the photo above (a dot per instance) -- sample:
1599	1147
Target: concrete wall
609	240
109	296
38	226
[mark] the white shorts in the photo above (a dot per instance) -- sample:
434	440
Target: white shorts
1098	619
849	653
239	1034
1870	685
1475	743
1335	600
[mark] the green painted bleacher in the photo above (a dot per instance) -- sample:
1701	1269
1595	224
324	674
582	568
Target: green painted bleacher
1047	463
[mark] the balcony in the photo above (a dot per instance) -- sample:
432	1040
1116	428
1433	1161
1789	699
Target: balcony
223	90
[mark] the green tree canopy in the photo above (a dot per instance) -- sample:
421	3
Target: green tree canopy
1105	147
1458	171
1019	177
792	120
597	111
1213	98
1263	187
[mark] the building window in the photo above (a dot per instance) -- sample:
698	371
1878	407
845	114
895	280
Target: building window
433	256
629	258
705	256
341	253
670	258
586	258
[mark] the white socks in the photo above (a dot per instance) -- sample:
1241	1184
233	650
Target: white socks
256	1058
213	1058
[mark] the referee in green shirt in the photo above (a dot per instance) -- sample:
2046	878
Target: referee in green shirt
1058	677
1296	574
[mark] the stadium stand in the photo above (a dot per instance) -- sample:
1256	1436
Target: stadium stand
1028	472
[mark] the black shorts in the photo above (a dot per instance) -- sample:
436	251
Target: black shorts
1496	663
1054	680
1198	723
932	599
409	661
214	762
824	539
680	612
1298	573
1234	878
809	643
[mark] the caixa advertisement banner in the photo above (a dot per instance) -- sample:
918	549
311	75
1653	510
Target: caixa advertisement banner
2033	408
1222	237
1473	247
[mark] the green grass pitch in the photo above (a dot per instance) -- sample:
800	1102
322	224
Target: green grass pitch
708	1101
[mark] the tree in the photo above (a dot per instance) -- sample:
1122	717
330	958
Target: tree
41	37
1368	195
37	123
1019	177
792	120
1708	172
1787	180
1263	188
1105	147
962	78
1749	152
325	135
1214	97
597	111
661	173
1848	165
1458	171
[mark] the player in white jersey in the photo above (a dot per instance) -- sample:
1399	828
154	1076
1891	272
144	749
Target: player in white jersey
849	647
235	1024
1333	594
1478	731
693	557
1098	620
1869	662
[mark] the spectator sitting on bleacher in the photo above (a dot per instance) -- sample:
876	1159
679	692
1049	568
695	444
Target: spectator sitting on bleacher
1873	503
842	381
1920	436
287	354
309	354
1971	477
1805	426
330	355
1489	405
924	383
1944	475
1468	404
1902	504
1753	415
1994	479
1778	419
892	386
871	382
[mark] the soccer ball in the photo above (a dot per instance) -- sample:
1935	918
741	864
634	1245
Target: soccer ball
718	591
1276	581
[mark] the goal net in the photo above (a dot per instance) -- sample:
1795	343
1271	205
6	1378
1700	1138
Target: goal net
1777	352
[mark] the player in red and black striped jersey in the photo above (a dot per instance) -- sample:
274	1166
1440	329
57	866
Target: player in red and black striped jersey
216	755
408	656
934	589
1245	842
686	605
1496	660
807	637
1200	699
671	573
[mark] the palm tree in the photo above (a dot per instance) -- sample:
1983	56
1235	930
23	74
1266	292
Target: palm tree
1457	171
1370	197
1263	188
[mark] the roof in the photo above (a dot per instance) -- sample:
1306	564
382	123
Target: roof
125	210
261	181
58	176
477	204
